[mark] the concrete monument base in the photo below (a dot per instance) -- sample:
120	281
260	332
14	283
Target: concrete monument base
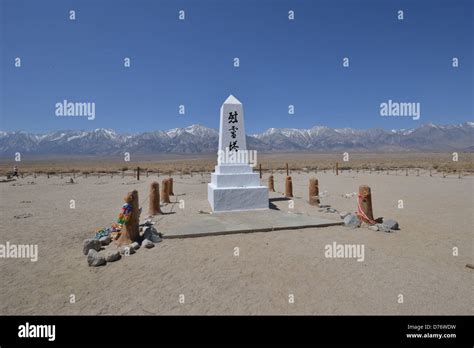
236	187
237	198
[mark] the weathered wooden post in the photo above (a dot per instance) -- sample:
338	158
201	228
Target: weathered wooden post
271	184
170	187
138	173
313	192
260	169
165	195
287	170
154	199
130	232
337	168
288	187
365	203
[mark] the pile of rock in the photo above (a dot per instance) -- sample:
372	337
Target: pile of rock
100	251
352	220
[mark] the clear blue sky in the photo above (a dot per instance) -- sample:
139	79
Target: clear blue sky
191	62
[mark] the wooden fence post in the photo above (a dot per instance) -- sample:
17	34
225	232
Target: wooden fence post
271	184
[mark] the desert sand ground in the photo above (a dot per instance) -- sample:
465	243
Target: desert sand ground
416	261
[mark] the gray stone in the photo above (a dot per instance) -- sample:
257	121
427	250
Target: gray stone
146	229
113	256
331	210
374	227
343	214
391	224
151	234
105	240
147	244
384	228
91	244
148	222
352	221
95	259
127	249
135	245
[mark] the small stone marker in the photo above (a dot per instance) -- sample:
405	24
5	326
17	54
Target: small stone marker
154	199
130	231
288	187
313	192
165	196
170	186
366	201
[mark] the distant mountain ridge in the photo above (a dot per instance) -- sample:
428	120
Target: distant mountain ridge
200	139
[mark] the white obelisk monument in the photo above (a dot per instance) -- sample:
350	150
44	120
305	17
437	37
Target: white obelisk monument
234	186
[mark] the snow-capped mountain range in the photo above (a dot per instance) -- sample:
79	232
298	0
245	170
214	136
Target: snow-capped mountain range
199	139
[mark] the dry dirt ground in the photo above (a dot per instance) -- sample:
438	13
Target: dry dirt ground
416	262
